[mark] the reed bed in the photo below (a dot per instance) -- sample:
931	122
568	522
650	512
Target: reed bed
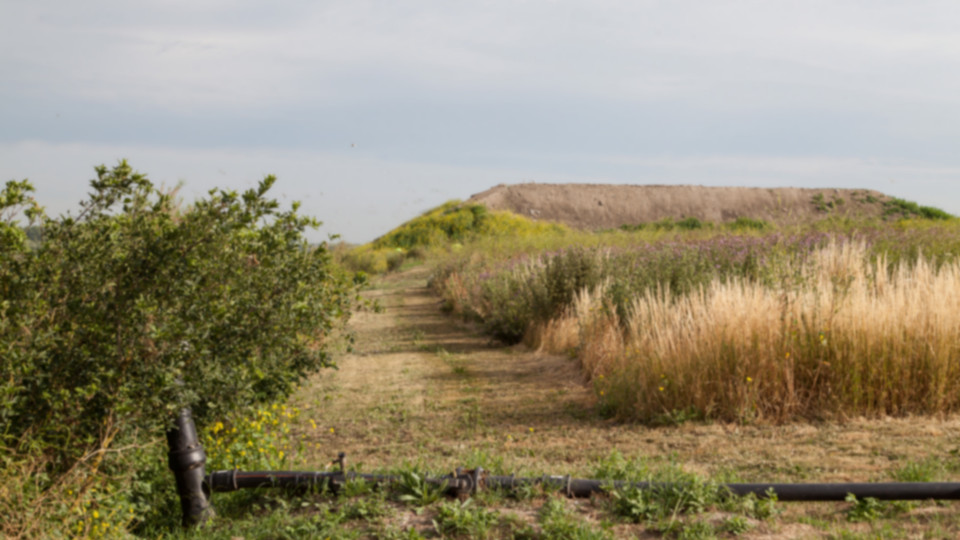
847	337
762	327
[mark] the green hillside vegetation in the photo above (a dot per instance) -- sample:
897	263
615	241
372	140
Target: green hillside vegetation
454	224
693	224
909	209
447	226
457	222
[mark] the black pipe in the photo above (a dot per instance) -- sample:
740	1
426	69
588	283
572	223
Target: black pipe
223	481
186	460
467	482
890	491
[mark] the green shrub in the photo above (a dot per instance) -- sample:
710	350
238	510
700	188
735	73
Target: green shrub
747	224
668	224
690	224
507	307
536	291
448	226
372	260
137	307
910	209
455	222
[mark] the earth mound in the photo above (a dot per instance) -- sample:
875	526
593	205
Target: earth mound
605	206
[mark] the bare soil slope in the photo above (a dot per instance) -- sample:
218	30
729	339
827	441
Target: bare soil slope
602	206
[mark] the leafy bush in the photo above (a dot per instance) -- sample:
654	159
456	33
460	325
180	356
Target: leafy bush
373	260
746	224
690	224
256	442
457	222
137	307
448	226
909	209
668	224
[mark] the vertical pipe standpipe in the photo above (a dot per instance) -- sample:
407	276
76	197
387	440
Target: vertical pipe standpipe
186	460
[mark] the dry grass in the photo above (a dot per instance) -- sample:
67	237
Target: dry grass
423	388
839	336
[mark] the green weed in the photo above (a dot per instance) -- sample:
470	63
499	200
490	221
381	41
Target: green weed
557	522
867	509
414	488
465	519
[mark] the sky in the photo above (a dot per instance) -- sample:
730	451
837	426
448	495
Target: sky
370	112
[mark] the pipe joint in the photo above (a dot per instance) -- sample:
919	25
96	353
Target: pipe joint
186	459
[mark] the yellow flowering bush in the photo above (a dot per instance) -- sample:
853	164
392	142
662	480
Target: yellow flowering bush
256	442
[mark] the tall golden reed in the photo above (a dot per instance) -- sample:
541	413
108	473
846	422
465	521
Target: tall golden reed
838	337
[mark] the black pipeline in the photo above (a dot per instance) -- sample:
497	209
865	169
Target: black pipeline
186	460
464	483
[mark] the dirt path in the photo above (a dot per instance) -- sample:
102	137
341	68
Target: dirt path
424	388
421	385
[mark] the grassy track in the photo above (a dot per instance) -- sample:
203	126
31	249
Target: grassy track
425	392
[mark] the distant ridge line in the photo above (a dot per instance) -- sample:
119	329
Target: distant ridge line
601	206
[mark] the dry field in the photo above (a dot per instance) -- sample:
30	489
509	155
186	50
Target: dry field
605	206
424	388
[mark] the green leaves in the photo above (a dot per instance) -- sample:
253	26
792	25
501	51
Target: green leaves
118	317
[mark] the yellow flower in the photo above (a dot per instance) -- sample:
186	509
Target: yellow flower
96	515
331	430
280	454
661	389
601	392
531	430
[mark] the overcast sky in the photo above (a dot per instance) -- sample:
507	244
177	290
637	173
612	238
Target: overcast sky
370	112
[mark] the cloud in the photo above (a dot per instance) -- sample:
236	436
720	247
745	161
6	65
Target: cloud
456	97
183	55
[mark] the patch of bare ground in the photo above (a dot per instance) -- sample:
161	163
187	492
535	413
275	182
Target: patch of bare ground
606	206
424	388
